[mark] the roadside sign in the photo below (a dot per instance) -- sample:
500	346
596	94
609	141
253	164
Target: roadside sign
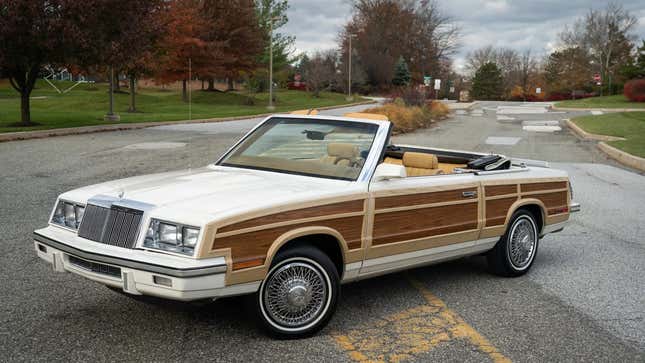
427	80
596	77
452	89
437	84
538	90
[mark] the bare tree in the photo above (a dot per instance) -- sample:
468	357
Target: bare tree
601	33
320	71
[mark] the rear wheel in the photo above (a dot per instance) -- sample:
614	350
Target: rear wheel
515	252
299	294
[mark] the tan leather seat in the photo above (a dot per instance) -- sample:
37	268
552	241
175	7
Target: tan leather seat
391	160
341	154
421	164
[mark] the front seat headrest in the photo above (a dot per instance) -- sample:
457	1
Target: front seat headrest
420	160
342	150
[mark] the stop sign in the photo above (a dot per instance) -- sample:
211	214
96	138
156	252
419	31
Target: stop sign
596	77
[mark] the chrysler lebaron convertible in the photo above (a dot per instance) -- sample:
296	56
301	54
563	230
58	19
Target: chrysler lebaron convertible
298	206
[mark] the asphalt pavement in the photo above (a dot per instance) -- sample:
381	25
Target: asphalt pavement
583	300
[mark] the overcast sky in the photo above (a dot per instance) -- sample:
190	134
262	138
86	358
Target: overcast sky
517	24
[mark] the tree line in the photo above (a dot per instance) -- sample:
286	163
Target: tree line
598	43
222	39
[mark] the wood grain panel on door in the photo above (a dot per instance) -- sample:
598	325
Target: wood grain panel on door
426	220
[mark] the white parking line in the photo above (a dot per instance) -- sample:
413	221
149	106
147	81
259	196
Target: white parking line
502	140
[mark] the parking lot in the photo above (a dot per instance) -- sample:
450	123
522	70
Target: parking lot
582	301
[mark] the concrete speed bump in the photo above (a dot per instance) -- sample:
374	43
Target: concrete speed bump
542	128
541	123
521	109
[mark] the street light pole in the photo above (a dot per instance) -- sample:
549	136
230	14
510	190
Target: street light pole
271	106
349	71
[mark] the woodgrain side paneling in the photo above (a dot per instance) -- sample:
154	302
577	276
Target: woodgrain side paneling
496	210
495	190
253	246
425	222
555	203
317	211
534	187
422	198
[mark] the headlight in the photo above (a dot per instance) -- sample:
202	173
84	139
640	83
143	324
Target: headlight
68	214
171	237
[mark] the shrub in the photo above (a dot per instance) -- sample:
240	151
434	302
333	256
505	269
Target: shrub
438	110
403	118
634	90
412	96
410	118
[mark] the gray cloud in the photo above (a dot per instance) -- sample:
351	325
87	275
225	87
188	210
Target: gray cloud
520	25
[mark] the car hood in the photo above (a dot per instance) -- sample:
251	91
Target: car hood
214	192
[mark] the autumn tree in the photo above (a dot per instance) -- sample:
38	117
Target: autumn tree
233	38
385	30
39	32
182	42
487	82
567	70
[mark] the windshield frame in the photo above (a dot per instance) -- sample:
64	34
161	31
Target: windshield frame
375	152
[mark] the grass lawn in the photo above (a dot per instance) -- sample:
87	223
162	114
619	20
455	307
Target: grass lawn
630	125
86	105
615	101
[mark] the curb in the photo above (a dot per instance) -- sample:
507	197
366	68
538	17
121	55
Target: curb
40	134
588	136
622	157
556	108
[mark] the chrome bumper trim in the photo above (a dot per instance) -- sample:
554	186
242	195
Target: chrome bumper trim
574	208
117	261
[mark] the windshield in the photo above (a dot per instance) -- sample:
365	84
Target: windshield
324	148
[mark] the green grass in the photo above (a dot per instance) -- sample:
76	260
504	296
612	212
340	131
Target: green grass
616	101
86	105
629	125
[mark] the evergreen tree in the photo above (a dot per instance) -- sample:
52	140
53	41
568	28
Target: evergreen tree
636	68
488	83
401	73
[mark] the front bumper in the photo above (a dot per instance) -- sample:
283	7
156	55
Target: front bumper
137	272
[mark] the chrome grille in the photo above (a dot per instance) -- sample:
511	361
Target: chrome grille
116	226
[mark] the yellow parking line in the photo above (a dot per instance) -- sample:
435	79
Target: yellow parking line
460	328
406	334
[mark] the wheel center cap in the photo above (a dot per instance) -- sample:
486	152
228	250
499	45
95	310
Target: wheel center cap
298	296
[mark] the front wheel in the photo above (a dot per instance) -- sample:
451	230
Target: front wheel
515	252
299	294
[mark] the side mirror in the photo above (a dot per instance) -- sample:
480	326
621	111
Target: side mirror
385	171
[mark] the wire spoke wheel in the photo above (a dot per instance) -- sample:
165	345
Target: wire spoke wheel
522	243
295	294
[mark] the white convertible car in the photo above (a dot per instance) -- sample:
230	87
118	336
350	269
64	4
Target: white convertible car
298	206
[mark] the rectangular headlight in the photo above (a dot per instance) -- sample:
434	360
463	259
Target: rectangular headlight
68	214
171	237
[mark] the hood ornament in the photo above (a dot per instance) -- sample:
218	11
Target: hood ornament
121	193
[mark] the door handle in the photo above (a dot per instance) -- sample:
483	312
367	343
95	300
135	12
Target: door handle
471	194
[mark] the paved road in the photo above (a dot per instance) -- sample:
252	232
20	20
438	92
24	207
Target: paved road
583	300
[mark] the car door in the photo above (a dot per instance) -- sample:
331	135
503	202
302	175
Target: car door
416	220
